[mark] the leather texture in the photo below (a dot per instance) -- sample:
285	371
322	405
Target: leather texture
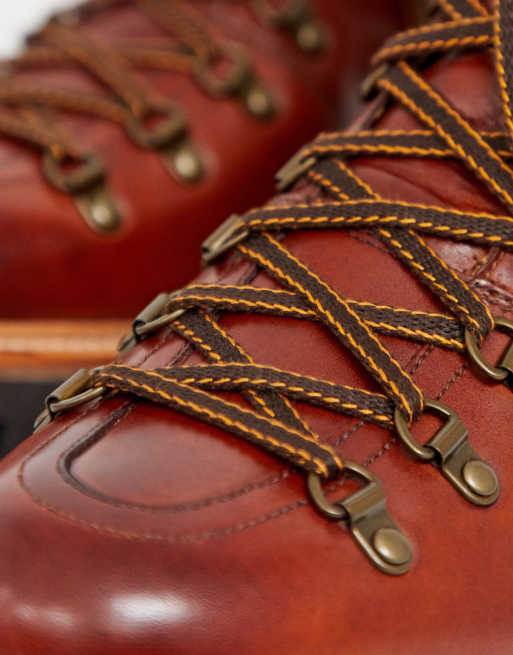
58	267
127	528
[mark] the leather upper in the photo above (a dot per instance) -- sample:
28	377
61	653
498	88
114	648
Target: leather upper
58	267
128	528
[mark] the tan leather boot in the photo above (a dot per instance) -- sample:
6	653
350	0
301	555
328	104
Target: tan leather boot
306	450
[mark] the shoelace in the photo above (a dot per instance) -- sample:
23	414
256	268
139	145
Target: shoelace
349	203
195	48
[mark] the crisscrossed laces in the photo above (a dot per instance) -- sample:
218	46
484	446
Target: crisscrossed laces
354	205
349	203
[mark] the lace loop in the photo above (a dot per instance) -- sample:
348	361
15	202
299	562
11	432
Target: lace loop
83	174
228	82
503	371
161	125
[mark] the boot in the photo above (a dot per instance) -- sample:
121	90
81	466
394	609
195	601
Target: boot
306	449
129	129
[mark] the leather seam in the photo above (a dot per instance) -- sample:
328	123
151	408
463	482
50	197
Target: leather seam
181	355
238	527
206	535
201	537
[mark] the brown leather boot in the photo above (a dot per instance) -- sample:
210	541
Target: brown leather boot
130	128
307	449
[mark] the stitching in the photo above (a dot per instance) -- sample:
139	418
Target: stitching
190	334
377	219
453	13
422	359
416	79
273	368
185	538
286	387
317	177
480	9
379	148
506	102
350	173
415	362
366	238
401	203
215	325
362	134
417	48
205	536
273	442
412	366
389	383
393	440
455	277
451	298
424	29
178	508
478	6
457	375
181	354
296	311
304	313
151	373
411	361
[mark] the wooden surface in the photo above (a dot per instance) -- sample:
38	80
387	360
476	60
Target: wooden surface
50	350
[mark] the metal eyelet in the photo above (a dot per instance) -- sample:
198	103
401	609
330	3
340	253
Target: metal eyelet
83	173
450	452
238	75
368	86
368	520
170	137
295	17
293	170
227	235
84	179
239	82
149	320
504	369
169	126
258	101
72	392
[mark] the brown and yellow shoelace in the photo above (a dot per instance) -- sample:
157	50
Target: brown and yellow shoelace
194	47
193	311
348	203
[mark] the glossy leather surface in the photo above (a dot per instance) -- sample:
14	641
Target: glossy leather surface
129	529
56	266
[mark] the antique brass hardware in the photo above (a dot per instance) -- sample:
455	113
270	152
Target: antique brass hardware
449	451
228	234
293	170
503	371
85	182
74	391
150	319
366	516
